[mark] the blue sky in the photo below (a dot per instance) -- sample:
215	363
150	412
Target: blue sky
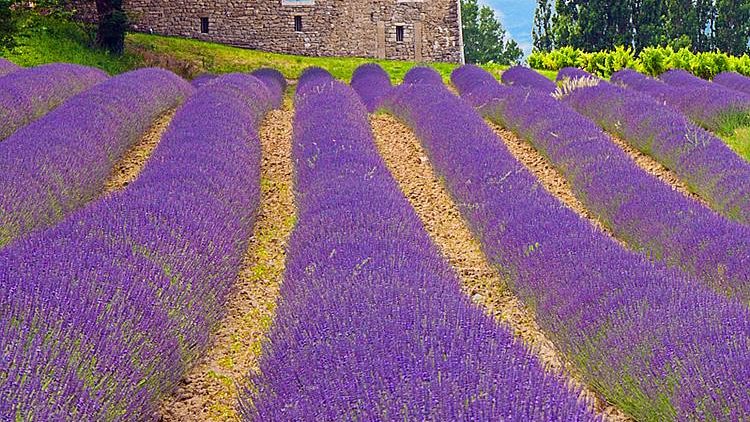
517	17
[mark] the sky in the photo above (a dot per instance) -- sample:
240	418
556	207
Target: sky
517	17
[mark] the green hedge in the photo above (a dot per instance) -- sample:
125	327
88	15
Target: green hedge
652	61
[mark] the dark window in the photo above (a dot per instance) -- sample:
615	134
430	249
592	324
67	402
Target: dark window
399	33
298	23
204	25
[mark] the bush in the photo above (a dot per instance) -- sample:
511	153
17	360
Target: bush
651	60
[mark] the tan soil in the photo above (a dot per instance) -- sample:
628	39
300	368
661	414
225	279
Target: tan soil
209	392
132	162
409	164
547	176
652	166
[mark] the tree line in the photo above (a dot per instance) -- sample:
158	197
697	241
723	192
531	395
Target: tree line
593	25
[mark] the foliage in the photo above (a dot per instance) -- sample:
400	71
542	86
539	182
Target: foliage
700	25
485	39
651	60
113	23
541	34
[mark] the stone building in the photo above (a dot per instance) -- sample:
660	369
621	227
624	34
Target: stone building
419	30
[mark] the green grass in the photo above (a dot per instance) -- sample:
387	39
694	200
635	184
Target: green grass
217	58
52	40
739	141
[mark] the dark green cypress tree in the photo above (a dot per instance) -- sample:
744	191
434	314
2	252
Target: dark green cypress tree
541	34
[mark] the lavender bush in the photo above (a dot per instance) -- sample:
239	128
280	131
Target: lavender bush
27	94
651	340
61	161
524	76
371	324
371	83
733	80
101	315
710	105
422	75
276	83
6	67
702	160
639	209
203	79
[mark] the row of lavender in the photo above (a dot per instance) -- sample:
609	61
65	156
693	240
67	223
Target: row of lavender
6	67
60	162
700	159
27	94
712	106
639	209
371	324
101	315
651	340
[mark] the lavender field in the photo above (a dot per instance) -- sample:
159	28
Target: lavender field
489	248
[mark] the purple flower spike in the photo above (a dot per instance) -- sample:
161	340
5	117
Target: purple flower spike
371	324
423	75
28	94
103	313
654	219
371	83
710	105
276	82
652	340
733	80
529	78
703	161
60	162
7	66
203	79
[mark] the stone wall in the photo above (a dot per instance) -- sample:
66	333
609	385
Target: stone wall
362	28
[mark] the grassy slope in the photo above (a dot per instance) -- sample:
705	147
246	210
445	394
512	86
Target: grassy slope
55	41
59	41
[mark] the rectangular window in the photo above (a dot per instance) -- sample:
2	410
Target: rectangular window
298	24
399	33
204	25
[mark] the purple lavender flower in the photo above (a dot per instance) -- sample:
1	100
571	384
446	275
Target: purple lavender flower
61	161
710	105
650	216
422	75
27	94
103	313
203	79
276	83
371	83
702	160
6	67
372	324
525	77
652	340
733	80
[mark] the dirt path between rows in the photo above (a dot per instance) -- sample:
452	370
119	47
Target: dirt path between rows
127	169
209	392
410	166
656	169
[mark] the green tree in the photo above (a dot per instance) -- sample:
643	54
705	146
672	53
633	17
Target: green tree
9	25
565	29
541	34
485	39
113	23
648	23
604	24
732	26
